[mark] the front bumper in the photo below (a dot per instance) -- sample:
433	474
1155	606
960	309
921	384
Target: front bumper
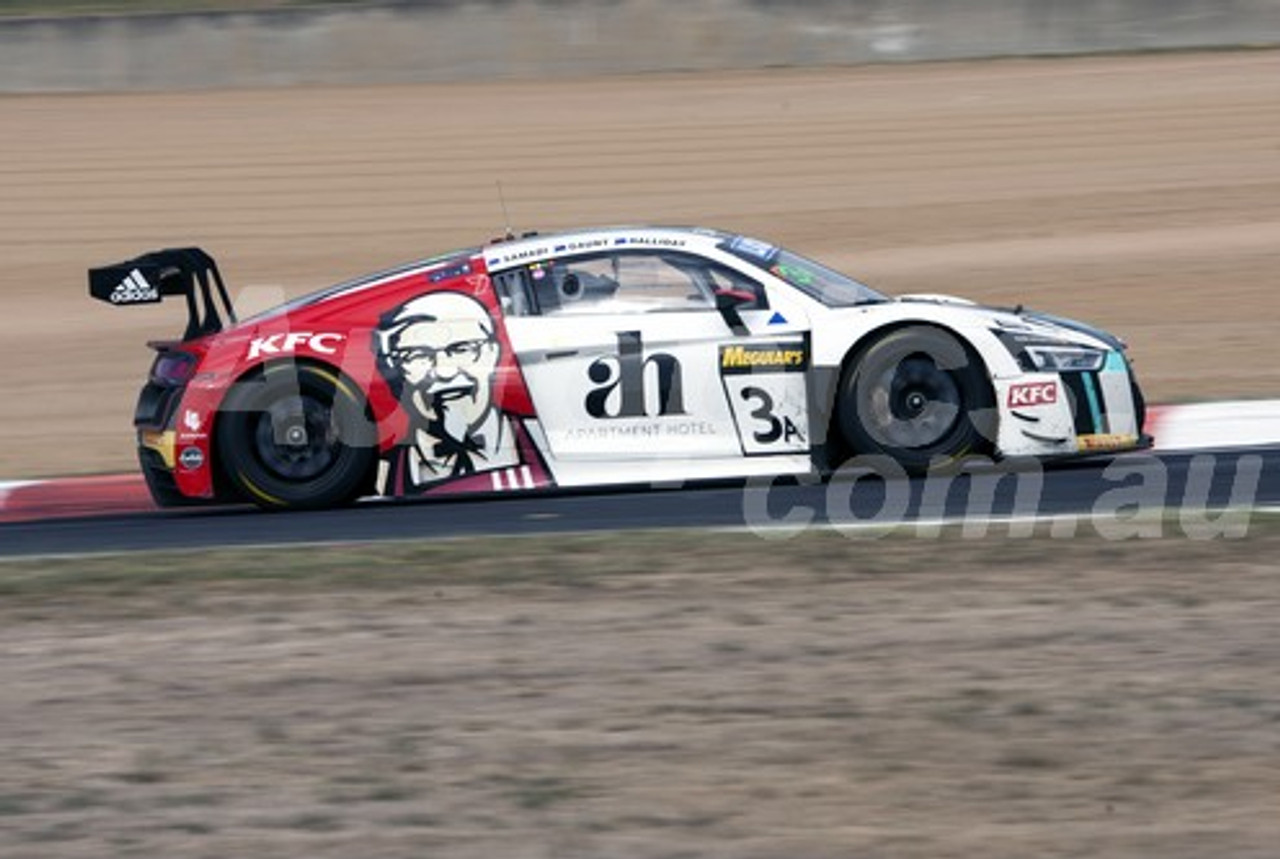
1072	413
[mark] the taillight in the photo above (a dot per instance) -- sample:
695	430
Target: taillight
173	368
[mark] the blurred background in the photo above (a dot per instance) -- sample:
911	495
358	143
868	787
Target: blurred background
1079	158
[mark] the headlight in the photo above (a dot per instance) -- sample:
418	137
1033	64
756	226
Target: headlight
1037	353
1065	359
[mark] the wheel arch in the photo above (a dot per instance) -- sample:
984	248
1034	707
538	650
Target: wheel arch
836	448
224	483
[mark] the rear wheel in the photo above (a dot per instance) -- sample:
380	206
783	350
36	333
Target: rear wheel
296	437
918	396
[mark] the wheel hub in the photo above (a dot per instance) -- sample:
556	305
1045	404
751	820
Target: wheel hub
915	403
296	435
295	438
919	406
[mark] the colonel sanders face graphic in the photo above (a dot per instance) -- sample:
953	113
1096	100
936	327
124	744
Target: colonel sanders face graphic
439	353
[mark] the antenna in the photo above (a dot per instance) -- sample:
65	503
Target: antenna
506	218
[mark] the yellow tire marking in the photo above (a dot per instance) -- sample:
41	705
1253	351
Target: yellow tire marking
267	497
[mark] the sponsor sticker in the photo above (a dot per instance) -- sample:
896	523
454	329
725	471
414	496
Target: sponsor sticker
1106	441
746	246
325	343
1030	394
765	383
134	289
791	356
630	372
190	427
643	430
191	458
449	272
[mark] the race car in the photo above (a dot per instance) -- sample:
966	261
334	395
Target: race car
600	357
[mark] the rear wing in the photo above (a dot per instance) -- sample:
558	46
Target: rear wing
176	271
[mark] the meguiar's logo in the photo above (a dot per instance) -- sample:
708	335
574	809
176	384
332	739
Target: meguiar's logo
629	373
764	358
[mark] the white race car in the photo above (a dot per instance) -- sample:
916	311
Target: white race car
599	357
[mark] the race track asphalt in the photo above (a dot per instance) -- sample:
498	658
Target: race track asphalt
1106	490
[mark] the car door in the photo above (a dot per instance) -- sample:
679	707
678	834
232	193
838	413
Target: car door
628	357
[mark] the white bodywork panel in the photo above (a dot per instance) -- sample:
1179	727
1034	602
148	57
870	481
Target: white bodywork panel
628	396
1039	425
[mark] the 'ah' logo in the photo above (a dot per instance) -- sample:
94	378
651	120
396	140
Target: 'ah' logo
627	374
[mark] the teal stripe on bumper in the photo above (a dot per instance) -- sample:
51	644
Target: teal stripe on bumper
1095	409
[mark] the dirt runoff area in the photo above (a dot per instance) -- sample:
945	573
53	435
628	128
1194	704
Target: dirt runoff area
1141	193
647	696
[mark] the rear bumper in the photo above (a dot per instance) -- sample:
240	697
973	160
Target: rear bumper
160	480
173	447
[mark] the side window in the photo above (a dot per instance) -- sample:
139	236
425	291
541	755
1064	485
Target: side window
658	282
514	294
583	284
633	282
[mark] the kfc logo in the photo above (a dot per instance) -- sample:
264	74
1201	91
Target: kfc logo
440	354
276	344
1033	394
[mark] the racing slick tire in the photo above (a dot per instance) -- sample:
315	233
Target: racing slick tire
918	396
296	437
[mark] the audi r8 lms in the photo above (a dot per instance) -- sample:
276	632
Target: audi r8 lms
600	357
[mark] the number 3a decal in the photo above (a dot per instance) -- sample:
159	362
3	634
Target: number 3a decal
764	412
766	393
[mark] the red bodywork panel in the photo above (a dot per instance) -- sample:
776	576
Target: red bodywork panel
338	329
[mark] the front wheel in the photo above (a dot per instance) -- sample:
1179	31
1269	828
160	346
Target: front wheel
296	437
918	396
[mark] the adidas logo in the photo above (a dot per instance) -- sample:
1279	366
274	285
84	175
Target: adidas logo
134	289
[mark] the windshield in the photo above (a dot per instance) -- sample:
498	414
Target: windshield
812	278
